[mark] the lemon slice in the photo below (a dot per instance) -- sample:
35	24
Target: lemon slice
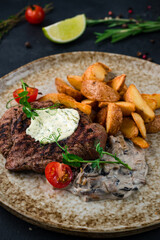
66	30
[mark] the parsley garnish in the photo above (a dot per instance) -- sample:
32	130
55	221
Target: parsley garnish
76	161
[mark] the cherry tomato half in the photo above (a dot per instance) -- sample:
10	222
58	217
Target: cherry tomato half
59	175
32	94
34	14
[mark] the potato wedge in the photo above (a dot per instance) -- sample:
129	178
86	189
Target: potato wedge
150	101
140	142
66	101
91	103
75	81
132	95
96	71
101	117
49	97
114	118
126	107
99	91
117	83
63	87
154	96
129	128
154	126
140	123
124	89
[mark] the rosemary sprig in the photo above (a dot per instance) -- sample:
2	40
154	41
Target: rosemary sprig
76	161
134	27
12	21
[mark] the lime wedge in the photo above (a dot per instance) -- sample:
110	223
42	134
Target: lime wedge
66	30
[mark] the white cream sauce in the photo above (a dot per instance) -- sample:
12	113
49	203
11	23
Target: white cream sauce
51	122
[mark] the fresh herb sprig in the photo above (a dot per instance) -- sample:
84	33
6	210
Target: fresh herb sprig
76	161
27	109
133	27
12	21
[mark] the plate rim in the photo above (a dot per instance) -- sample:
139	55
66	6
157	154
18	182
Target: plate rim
82	232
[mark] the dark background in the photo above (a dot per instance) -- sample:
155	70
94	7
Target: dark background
14	54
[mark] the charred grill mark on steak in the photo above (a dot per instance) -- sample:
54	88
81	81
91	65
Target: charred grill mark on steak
22	152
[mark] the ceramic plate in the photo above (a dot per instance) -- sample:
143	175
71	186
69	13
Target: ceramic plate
30	197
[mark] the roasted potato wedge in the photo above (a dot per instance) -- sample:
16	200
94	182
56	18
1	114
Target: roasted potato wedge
118	82
96	71
132	95
123	91
75	81
50	97
140	123
63	87
92	103
126	107
129	128
150	101
154	126
101	117
66	101
140	142
155	97
99	91
114	118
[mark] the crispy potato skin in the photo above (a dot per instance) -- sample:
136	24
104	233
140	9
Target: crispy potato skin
75	81
114	118
132	95
63	87
154	126
140	123
99	91
118	82
96	71
140	142
66	101
129	128
101	116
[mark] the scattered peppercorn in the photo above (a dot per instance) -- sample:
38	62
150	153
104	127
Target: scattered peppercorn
144	56
110	13
130	10
152	40
149	59
139	54
120	16
28	45
124	25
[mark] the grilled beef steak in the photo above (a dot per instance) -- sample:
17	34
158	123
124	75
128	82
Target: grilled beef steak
22	152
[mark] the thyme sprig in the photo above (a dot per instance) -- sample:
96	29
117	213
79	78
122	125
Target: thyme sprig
12	21
76	161
133	27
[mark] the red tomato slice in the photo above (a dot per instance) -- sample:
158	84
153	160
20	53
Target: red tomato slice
34	14
59	175
32	94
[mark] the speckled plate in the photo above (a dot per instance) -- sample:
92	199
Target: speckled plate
30	197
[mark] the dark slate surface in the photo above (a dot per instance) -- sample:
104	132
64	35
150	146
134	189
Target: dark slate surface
14	54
